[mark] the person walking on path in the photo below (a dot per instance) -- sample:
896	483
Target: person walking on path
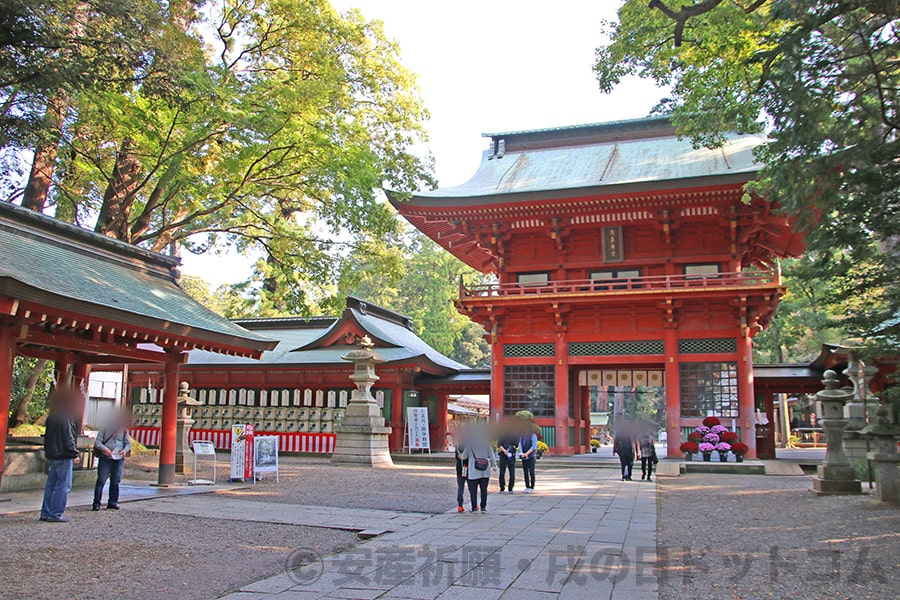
506	449
460	476
527	454
61	453
623	446
112	445
480	461
648	455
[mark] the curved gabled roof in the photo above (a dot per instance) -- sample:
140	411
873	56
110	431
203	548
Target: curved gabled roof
62	267
323	340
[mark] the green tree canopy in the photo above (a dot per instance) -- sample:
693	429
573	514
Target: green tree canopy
266	125
822	78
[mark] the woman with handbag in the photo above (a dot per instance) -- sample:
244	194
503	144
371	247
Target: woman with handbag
480	462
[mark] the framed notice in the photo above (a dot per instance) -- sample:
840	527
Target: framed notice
242	451
417	428
265	454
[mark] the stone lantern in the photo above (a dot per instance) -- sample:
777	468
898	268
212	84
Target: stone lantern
884	433
835	475
362	437
183	425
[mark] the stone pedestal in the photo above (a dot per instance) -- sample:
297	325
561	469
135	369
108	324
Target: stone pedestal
855	444
183	424
835	476
362	437
883	434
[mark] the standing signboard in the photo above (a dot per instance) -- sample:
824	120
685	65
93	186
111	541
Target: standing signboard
242	451
265	455
417	428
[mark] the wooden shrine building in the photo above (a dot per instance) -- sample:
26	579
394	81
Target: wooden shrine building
82	299
629	264
298	390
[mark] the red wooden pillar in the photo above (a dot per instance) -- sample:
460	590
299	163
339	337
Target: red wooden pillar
496	401
586	416
443	401
7	357
673	394
80	374
563	443
746	401
396	421
61	370
168	426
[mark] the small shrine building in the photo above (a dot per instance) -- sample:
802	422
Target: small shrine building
82	299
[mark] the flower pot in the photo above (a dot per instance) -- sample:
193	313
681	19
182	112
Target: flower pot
739	457
593	449
689	456
723	457
707	456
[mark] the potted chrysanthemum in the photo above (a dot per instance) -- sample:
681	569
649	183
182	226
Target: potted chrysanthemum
723	448
706	449
689	448
740	449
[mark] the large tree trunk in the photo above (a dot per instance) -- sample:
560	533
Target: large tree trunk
115	213
41	176
21	414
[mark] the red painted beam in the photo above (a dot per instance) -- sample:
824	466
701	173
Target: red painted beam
80	344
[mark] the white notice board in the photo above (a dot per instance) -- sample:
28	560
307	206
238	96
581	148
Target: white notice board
417	428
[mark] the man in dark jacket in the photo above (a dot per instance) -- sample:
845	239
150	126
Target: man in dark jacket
61	453
507	445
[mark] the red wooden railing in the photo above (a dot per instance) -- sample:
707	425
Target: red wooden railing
652	283
288	441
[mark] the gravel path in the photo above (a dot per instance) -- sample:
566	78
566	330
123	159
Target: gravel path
750	537
139	554
312	480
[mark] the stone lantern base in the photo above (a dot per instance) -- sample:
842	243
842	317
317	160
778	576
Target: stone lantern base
835	480
362	438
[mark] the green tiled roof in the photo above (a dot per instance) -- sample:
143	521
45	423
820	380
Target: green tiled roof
594	159
62	266
299	340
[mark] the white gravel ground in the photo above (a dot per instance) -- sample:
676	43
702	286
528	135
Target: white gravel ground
752	537
136	554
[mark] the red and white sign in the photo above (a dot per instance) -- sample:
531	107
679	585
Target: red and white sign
417	427
242	451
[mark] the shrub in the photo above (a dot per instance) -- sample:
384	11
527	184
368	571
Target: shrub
525	415
542	447
595	443
711	421
695	436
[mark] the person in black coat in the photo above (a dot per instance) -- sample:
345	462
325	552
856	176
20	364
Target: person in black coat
61	453
623	446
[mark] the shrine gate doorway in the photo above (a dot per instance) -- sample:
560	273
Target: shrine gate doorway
619	394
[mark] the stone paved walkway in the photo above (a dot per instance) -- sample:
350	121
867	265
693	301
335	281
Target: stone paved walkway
582	534
128	492
225	507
